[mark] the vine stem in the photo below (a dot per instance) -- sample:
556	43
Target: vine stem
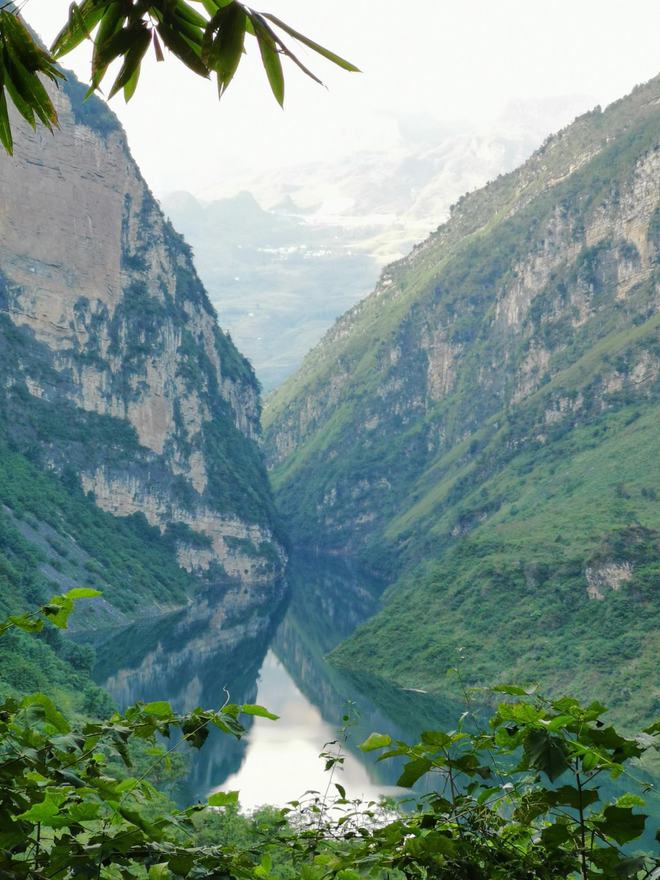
583	836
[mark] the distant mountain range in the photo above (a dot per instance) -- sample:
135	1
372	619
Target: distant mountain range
297	247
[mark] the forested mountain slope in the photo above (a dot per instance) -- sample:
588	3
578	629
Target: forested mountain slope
483	425
128	419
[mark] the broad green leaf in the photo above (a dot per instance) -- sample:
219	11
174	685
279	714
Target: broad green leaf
375	741
26	622
181	863
570	796
137	819
46	810
524	713
228	724
223	799
630	800
250	709
58	611
82	593
42	708
554	835
412	771
513	690
159	708
84	812
621	824
546	753
436	738
631	867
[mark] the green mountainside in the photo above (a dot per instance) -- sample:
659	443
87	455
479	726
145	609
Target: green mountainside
129	422
483	428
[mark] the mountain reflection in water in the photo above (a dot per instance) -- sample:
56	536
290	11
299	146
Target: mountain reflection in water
189	658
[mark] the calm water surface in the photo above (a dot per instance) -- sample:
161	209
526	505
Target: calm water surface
188	659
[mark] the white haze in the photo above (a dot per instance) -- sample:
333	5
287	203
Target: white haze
452	94
428	61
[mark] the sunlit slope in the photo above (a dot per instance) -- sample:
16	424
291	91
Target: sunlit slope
486	418
522	295
559	584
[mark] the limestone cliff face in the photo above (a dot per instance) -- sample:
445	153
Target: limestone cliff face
541	285
113	365
482	430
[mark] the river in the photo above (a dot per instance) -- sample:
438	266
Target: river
184	658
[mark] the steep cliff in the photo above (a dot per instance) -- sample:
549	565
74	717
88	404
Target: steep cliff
491	407
117	386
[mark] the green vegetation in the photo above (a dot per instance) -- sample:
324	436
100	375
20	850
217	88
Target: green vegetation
133	563
53	537
129	560
510	598
523	798
482	430
90	111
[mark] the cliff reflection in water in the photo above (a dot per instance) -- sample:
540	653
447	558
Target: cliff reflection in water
190	656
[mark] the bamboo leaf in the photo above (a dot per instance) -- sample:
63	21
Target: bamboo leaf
111	24
320	50
223	54
129	74
83	19
158	49
177	44
270	59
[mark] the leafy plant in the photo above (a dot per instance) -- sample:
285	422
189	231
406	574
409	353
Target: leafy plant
210	41
521	800
21	62
64	813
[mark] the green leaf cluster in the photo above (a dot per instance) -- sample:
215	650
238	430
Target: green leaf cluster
209	41
520	799
57	611
22	60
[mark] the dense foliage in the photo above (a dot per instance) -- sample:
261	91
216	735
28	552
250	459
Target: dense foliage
521	799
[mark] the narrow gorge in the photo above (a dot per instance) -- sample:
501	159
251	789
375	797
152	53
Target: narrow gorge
479	430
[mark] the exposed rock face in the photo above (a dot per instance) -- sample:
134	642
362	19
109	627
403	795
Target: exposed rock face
610	575
482	430
112	362
492	314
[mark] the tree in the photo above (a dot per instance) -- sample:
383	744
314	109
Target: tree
207	36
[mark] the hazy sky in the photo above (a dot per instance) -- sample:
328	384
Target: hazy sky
453	59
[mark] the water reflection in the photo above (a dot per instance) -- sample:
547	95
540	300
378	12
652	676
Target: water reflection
286	753
188	658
